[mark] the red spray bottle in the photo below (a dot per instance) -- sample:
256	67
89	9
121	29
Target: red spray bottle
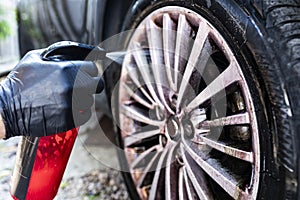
40	165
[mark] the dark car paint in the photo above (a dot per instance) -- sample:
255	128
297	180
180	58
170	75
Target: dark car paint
43	22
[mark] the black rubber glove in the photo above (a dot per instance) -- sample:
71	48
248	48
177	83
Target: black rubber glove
40	98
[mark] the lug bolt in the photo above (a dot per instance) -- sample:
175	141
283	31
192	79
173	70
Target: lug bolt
160	114
163	140
188	130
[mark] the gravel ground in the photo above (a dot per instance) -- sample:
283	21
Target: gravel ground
7	160
98	184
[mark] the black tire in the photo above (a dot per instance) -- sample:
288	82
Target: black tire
265	38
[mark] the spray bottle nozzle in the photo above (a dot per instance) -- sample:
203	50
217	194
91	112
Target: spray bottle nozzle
67	50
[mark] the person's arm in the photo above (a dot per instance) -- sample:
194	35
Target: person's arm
2	128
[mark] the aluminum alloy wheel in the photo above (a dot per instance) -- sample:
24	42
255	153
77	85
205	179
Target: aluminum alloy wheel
187	118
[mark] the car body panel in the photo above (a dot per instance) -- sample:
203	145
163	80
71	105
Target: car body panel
43	22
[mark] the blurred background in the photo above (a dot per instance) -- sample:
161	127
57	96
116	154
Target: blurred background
9	48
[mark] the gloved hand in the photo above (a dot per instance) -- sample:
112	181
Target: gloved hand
40	98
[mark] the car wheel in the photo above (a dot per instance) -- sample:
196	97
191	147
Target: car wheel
205	107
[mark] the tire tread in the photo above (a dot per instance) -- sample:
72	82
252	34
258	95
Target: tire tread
283	28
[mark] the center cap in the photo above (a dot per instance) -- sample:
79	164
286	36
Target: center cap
176	127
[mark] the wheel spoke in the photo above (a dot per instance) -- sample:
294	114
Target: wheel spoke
146	153
137	98
168	190
147	169
138	137
226	78
182	46
135	115
197	49
202	190
187	185
152	195
220	176
133	74
181	184
169	47
144	68
201	131
237	119
154	34
237	153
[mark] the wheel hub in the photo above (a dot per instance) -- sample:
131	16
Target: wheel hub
180	126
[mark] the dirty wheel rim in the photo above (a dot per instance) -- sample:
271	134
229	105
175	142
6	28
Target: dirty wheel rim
187	117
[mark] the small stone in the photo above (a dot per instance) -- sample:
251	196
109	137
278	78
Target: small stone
112	182
101	184
115	188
